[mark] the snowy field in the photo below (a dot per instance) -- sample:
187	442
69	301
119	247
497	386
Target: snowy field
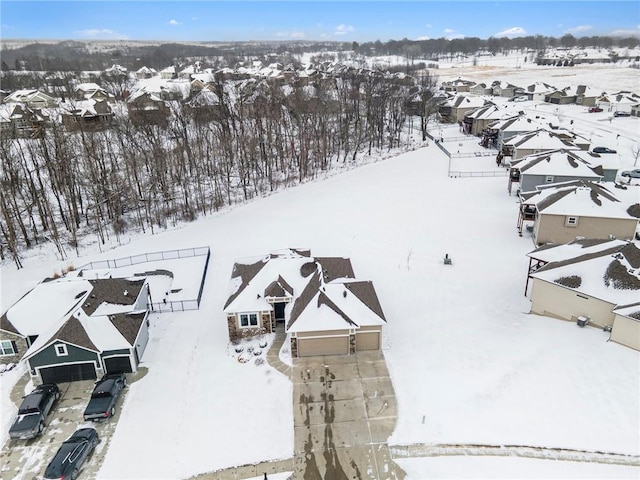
468	363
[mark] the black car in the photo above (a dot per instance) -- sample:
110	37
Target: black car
33	410
621	114
102	404
603	150
72	454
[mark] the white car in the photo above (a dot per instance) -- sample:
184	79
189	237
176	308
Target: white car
520	99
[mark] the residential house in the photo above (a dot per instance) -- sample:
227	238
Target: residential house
565	96
86	115
116	70
206	105
635	110
618	102
598	289
562	212
505	89
476	121
169	73
147	108
535	142
21	121
502	130
454	109
586	95
31	98
323	308
70	329
459	85
553	166
145	72
480	89
538	90
86	91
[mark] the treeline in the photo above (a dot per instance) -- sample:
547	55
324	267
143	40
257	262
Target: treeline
74	56
62	186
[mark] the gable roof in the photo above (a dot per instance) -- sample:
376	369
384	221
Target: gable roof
561	162
612	275
577	248
540	140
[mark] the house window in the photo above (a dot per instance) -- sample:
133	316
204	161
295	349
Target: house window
248	320
61	350
548	179
571	222
7	347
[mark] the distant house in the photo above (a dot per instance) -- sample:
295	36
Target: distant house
505	89
31	98
116	70
635	110
597	287
459	85
621	101
147	108
86	91
72	329
476	121
480	89
87	115
553	166
323	308
145	72
454	109
561	212
502	130
169	73
538	90
205	106
566	96
21	121
586	95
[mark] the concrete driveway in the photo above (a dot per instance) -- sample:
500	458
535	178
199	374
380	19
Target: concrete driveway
344	412
27	460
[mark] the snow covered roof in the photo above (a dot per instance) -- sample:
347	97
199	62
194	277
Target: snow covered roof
631	311
577	248
610	276
540	140
491	112
539	88
520	123
578	198
464	101
324	291
557	162
88	87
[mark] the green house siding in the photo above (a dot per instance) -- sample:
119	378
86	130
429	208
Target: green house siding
48	356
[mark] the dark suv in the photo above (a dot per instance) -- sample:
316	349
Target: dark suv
33	410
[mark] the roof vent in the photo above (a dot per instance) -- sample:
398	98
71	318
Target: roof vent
125	293
344	294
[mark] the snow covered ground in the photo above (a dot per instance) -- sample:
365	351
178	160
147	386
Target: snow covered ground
468	363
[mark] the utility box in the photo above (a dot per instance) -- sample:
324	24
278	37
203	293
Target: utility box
582	321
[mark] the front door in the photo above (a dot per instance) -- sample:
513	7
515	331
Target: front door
279	311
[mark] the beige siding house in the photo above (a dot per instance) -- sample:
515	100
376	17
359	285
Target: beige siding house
566	211
536	142
598	289
323	309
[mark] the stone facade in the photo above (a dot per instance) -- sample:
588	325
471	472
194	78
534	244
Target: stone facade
352	343
20	344
267	325
294	347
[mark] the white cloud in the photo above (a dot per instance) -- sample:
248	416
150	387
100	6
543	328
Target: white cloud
579	29
423	38
428	25
626	33
343	29
292	34
174	22
448	31
512	32
101	34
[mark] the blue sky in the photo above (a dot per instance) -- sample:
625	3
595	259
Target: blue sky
207	20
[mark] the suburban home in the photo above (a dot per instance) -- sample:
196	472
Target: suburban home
116	70
562	212
635	110
618	102
169	73
86	115
586	95
145	72
597	288
147	108
31	98
86	91
20	121
552	166
480	89
476	121
538	90
459	85
205	105
323	308
454	109
535	142
505	89
70	329
502	130
565	96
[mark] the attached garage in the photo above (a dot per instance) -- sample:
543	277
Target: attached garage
68	373
367	340
120	364
334	345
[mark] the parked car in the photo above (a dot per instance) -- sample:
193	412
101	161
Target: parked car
72	455
520	99
33	410
621	114
595	110
102	404
603	150
631	173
